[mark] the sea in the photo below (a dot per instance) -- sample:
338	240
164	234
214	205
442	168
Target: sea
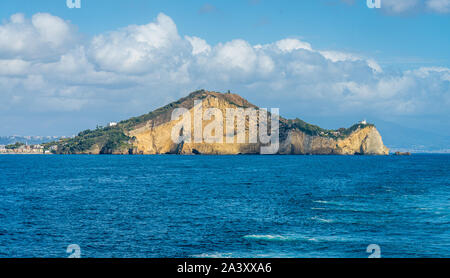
242	206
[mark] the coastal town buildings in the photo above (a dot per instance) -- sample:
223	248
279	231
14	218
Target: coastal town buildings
22	149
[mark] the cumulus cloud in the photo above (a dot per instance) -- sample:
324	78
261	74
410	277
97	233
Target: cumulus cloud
44	67
198	45
337	56
44	36
288	45
137	49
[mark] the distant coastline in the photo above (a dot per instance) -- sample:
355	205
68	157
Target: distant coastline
49	153
21	148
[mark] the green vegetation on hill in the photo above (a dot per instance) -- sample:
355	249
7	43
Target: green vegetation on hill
345	132
14	146
133	122
309	129
108	140
197	95
314	130
136	121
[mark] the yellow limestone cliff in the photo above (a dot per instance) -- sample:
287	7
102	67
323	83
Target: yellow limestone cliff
154	136
153	133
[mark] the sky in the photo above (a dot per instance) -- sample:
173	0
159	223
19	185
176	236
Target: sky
329	62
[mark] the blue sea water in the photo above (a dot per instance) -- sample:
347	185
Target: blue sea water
225	206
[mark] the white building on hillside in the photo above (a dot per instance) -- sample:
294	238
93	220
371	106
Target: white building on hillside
112	124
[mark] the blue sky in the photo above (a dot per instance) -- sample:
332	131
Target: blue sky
330	62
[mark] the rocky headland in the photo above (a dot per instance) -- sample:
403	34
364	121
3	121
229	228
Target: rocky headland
151	134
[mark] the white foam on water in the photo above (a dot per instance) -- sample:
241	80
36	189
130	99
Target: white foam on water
321	202
328	202
268	237
323	220
303	238
213	255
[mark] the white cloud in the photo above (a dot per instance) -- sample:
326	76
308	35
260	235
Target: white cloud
406	6
198	45
337	56
439	6
288	45
425	72
51	29
235	55
44	36
13	67
137	49
137	68
399	6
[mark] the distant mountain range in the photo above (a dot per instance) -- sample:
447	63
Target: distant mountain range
401	138
30	140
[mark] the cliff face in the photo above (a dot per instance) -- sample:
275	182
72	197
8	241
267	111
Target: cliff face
156	139
152	133
366	141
